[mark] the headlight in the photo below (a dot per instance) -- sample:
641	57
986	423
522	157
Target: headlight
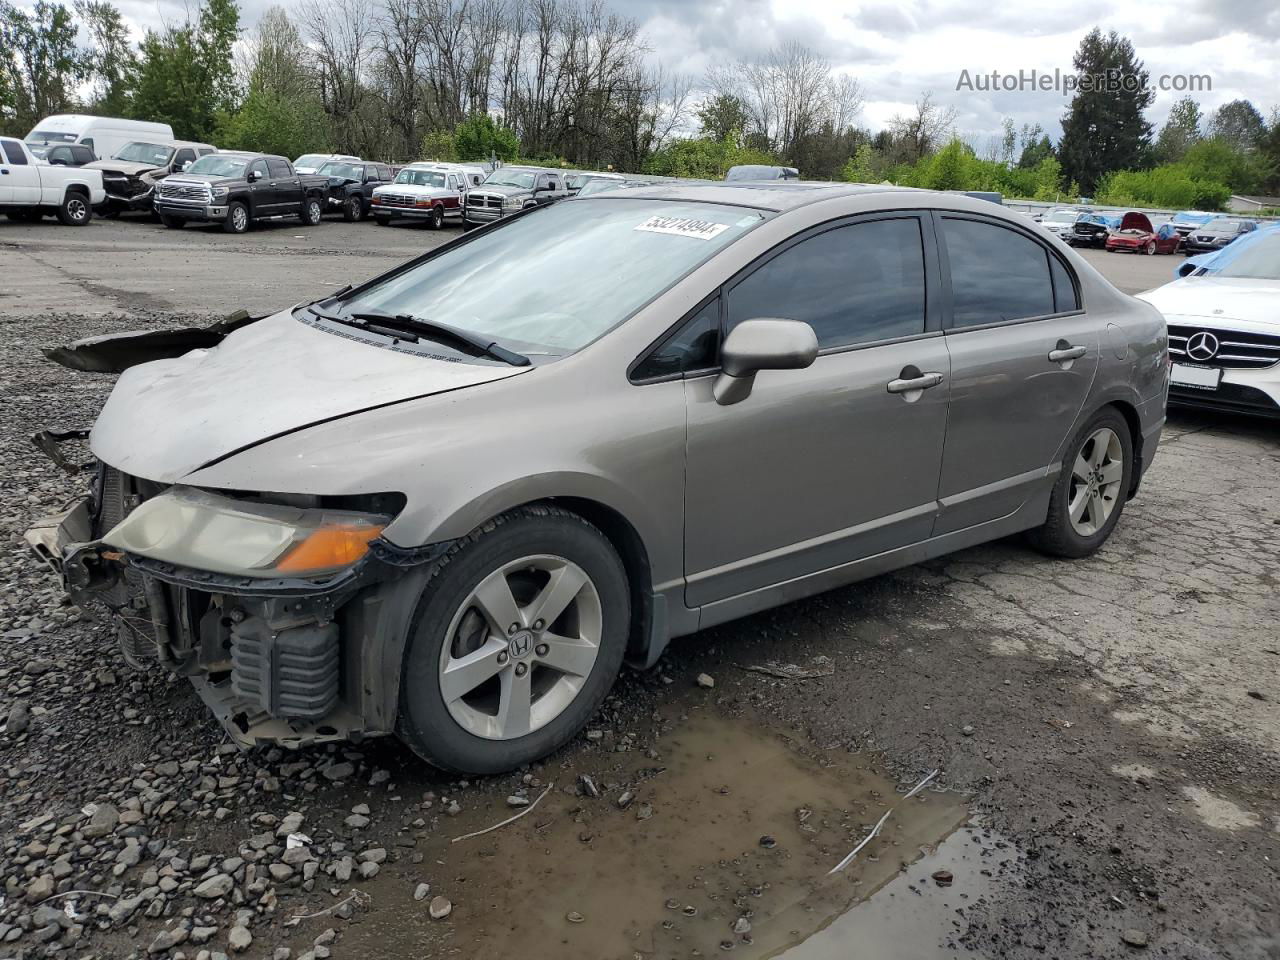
218	193
193	528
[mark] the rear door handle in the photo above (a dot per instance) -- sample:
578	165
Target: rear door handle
1063	354
922	382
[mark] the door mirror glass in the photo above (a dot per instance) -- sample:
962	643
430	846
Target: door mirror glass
761	344
255	176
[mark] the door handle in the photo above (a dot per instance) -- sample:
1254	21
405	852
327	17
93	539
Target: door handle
1063	354
4	172
922	382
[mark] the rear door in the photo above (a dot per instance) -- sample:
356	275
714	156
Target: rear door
838	462
287	186
1023	357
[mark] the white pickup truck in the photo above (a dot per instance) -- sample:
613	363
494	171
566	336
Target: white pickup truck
31	189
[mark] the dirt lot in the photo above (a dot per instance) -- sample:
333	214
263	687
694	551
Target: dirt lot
1107	731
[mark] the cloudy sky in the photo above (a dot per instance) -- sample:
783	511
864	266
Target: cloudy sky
899	48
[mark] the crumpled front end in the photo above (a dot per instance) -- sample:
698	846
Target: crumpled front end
285	659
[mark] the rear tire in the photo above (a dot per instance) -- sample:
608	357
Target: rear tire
503	571
312	212
1090	493
74	211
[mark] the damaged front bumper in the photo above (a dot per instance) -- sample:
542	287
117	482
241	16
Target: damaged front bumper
285	661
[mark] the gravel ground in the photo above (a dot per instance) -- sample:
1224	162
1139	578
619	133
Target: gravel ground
1115	721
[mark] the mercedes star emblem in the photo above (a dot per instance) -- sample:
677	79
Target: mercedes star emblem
1202	346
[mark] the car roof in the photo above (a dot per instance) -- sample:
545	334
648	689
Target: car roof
777	195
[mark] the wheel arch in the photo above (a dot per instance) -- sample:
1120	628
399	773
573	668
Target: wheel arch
1130	413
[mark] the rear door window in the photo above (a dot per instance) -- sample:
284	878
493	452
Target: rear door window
997	274
13	153
279	169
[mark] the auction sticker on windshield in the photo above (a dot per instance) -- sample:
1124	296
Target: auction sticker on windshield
683	227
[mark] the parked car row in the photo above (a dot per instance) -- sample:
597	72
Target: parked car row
1188	232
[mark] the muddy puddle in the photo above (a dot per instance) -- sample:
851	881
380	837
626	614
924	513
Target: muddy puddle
724	845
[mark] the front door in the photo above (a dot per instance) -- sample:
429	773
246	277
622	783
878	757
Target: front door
837	462
19	180
262	189
1023	357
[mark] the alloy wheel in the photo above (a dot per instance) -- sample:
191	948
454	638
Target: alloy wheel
77	209
239	219
1096	476
520	647
314	212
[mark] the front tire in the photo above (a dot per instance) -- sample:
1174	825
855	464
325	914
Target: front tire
74	211
353	210
518	636
173	223
436	220
383	221
237	218
1090	493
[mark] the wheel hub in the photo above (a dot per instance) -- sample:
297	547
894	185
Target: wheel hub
521	645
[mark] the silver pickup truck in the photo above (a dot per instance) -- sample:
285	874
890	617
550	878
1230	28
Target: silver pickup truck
509	190
31	189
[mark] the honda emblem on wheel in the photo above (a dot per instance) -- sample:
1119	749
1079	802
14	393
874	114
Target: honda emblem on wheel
1202	346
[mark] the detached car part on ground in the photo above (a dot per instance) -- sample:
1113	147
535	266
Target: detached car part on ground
237	189
450	510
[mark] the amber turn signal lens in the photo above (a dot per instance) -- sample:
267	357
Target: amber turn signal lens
329	548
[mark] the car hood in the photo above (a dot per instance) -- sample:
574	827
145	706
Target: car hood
168	418
1221	300
126	167
1136	221
501	190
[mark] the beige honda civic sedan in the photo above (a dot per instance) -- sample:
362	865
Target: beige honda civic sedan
450	503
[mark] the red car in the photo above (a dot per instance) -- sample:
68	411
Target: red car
1136	235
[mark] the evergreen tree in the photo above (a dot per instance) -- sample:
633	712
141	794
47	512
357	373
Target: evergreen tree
1105	129
1180	132
185	77
1238	123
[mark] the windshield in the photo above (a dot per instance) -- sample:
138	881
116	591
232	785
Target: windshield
1258	258
311	160
152	153
510	283
1222	223
1062	216
219	165
37	139
336	168
421	178
510	178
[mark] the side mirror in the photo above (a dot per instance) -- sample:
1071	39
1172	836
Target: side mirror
254	176
182	166
761	344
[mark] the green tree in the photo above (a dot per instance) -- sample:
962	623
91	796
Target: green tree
1219	161
271	123
1105	128
949	168
1180	132
1048	179
41	61
185	77
862	167
439	145
110	60
1036	152
1239	124
478	138
1270	155
721	115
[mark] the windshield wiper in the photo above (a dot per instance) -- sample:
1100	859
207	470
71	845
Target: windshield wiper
400	324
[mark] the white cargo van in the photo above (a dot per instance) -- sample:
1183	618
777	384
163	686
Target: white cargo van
104	135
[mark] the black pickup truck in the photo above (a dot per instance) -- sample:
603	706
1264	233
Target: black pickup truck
239	189
351	186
